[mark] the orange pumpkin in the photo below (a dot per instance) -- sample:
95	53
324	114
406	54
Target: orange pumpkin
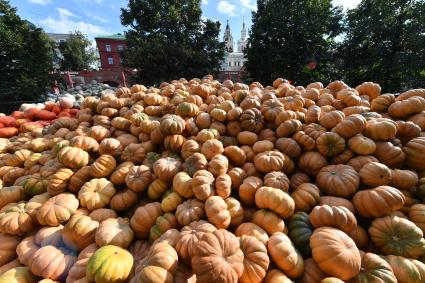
256	260
378	201
285	255
338	180
224	264
335	253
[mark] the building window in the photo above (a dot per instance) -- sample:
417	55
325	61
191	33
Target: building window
120	48
110	61
230	64
108	48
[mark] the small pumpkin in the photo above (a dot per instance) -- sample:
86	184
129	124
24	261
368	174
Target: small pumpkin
114	231
96	193
73	157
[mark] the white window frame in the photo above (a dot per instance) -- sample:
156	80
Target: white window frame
108	48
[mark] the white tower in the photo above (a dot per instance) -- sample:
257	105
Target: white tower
243	41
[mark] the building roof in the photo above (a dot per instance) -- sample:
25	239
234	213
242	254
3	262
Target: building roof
118	36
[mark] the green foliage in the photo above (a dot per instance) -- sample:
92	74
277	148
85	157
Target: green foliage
77	52
168	40
25	57
286	35
385	43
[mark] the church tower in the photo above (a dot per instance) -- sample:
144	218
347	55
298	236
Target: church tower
243	41
228	39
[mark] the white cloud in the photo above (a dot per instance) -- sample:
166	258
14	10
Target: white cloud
204	2
227	8
250	4
64	13
96	17
66	24
40	2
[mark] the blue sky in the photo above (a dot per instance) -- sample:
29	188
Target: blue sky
101	17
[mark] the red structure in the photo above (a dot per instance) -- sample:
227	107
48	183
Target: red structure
110	50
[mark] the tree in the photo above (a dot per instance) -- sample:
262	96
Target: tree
385	43
294	40
26	55
77	52
168	40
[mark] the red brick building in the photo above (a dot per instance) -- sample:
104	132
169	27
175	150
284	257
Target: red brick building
110	50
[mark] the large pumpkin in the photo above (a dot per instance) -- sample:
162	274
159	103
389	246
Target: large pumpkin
335	253
217	257
109	264
397	236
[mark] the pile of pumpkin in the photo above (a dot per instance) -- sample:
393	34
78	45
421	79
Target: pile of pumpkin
201	181
34	116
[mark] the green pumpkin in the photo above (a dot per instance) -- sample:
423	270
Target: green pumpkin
300	231
187	109
18	275
35	185
109	264
374	269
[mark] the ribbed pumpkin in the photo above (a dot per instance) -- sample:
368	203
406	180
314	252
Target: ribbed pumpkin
338	180
333	216
217	257
73	157
378	201
256	260
285	255
300	230
109	264
335	253
374	269
275	200
397	236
